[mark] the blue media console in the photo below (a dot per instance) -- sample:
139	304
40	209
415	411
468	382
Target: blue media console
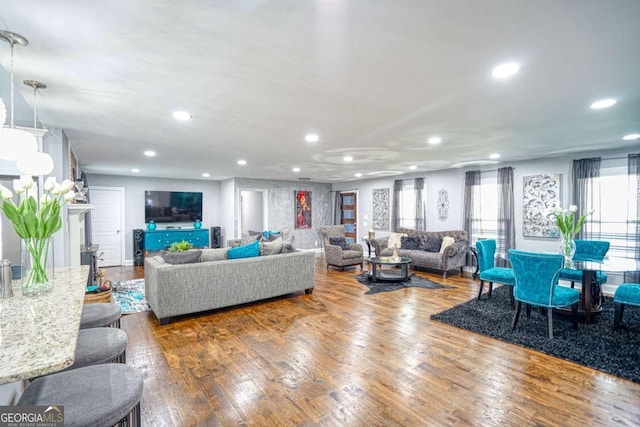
157	240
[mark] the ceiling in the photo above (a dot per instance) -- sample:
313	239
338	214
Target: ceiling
374	79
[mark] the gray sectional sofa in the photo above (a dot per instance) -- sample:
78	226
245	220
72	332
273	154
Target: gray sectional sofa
452	257
174	290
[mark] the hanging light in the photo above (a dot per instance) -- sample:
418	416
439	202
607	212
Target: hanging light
35	163
15	143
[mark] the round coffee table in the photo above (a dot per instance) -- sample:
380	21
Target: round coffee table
378	273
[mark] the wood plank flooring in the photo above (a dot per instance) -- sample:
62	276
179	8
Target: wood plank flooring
340	357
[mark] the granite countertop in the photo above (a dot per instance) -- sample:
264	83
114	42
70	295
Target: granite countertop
38	335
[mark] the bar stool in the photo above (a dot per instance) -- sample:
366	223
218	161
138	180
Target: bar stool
97	315
95	396
100	345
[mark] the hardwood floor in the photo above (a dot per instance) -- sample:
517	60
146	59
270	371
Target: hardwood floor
340	357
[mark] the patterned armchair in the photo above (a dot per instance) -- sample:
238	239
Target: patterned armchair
587	250
537	285
338	256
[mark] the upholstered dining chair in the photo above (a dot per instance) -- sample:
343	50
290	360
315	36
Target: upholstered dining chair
488	272
587	250
337	251
537	285
627	294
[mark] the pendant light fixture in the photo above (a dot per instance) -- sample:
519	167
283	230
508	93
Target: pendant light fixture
15	143
36	163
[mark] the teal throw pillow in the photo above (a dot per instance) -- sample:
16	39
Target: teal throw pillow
246	251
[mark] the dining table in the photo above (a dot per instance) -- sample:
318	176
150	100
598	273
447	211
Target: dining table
591	292
38	334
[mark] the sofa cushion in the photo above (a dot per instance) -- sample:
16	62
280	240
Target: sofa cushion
213	255
288	244
446	242
432	244
244	251
271	248
410	243
395	239
187	257
339	241
246	240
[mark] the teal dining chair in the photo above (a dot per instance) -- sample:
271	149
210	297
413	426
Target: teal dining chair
587	250
537	285
488	272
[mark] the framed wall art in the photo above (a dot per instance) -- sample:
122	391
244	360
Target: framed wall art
540	197
380	216
303	209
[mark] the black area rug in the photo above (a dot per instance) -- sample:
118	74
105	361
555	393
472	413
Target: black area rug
382	286
595	345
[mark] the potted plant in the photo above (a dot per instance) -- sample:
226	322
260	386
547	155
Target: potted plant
182	246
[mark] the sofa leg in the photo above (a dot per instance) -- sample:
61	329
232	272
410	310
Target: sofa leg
308	291
164	321
444	274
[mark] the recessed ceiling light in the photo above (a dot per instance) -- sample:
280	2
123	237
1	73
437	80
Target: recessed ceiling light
135	170
150	153
434	140
413	167
631	136
311	137
504	71
603	103
242	162
206	175
296	169
181	115
348	159
494	156
358	175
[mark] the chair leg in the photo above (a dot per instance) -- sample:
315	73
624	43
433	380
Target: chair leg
490	288
528	310
480	291
574	315
617	317
572	284
512	298
516	315
550	322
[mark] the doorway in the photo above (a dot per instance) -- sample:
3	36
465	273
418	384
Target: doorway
349	214
107	219
253	211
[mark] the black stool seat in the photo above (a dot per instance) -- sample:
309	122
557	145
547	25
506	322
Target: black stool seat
100	314
100	345
93	396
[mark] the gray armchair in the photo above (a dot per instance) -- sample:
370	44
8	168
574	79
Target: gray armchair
337	256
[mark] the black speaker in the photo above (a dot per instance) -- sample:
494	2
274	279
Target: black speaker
216	237
138	247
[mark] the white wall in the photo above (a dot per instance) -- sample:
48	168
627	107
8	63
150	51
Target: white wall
228	210
134	200
252	211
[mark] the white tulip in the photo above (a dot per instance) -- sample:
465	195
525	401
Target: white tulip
573	208
19	186
591	211
557	210
45	198
5	193
66	185
49	183
56	189
69	195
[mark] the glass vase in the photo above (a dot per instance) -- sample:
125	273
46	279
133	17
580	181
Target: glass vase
37	266
567	248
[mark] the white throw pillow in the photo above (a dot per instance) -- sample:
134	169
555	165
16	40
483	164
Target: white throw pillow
395	239
446	241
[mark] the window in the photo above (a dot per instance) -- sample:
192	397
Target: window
484	220
409	204
614	199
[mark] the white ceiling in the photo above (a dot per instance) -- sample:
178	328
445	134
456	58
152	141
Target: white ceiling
374	79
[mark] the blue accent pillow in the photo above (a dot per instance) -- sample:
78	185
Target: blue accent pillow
246	251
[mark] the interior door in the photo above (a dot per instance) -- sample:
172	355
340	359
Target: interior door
348	215
106	224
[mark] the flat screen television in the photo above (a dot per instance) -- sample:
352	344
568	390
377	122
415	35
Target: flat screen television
172	206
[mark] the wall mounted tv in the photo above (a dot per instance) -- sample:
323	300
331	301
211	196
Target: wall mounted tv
172	206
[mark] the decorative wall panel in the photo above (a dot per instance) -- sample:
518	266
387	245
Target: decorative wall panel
380	216
540	197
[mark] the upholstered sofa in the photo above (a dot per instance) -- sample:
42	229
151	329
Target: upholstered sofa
453	256
174	290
